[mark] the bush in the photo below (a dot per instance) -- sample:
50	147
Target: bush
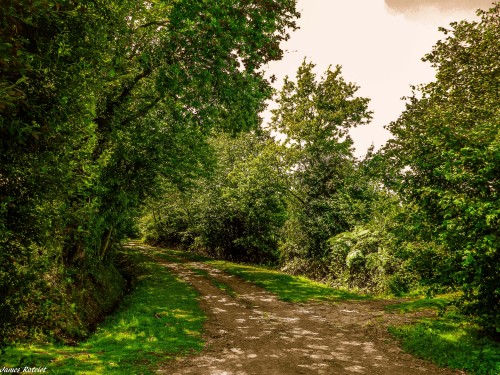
44	300
234	213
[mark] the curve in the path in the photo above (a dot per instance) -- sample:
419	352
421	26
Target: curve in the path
252	332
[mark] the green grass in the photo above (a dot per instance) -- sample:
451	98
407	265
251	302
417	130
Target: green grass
449	341
439	304
161	319
177	256
286	287
219	285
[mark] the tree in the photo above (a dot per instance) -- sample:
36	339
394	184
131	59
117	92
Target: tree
99	100
235	212
244	206
49	56
447	146
326	190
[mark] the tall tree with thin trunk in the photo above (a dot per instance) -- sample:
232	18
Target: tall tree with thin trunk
313	119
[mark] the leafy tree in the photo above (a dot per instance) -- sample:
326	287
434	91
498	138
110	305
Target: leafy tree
244	206
327	190
235	212
48	58
447	147
182	69
98	101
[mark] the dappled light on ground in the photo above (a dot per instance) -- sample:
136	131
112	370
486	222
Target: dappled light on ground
252	331
161	319
287	287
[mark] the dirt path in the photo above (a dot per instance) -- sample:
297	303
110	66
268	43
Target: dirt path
252	332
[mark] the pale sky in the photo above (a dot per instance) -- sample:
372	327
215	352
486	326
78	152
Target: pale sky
379	45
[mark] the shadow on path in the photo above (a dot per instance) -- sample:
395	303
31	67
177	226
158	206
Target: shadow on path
249	331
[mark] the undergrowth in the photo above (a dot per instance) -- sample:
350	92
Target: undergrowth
160	319
450	340
286	287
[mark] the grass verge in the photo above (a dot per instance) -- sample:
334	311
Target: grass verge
159	320
449	340
177	256
219	285
286	287
439	303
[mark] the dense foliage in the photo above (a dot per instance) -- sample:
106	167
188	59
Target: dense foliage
326	189
114	109
421	212
447	144
235	212
98	99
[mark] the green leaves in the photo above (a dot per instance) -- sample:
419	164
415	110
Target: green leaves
100	100
235	212
449	140
313	119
